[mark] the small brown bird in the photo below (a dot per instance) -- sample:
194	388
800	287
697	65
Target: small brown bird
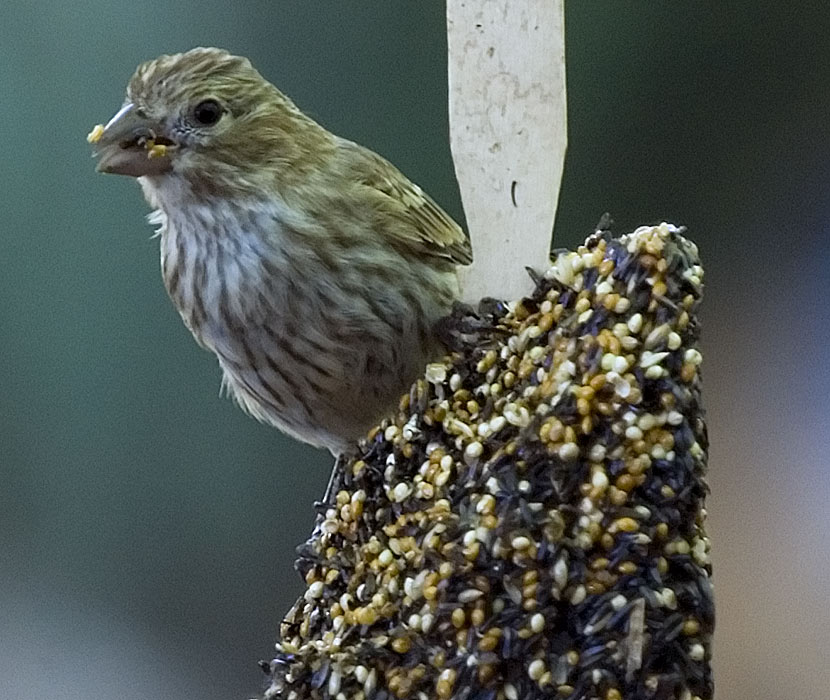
310	266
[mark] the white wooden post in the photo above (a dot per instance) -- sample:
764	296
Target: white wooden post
508	134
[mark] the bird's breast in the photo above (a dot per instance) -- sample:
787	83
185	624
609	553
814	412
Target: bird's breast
307	336
215	264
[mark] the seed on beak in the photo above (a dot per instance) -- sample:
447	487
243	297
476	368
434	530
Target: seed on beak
155	150
95	135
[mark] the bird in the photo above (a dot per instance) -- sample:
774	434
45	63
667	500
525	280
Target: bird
311	267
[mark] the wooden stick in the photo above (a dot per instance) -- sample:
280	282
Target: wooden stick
508	134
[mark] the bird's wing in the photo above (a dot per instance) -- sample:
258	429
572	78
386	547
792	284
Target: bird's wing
429	229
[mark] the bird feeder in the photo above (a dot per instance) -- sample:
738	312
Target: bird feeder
530	523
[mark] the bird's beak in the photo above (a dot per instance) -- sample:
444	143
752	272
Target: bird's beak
131	144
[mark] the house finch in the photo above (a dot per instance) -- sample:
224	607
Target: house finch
310	266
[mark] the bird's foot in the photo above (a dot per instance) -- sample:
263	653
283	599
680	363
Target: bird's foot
466	326
334	480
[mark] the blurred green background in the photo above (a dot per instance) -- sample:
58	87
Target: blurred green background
147	526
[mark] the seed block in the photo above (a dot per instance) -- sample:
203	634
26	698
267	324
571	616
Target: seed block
531	523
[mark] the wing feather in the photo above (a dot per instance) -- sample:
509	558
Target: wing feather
426	227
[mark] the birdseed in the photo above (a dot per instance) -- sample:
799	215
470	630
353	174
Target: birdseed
95	135
537	531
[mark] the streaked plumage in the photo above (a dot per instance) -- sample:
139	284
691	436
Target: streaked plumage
310	266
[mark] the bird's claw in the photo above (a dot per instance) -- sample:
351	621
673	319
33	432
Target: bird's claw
465	326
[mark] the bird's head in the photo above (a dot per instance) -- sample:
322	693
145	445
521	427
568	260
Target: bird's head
209	117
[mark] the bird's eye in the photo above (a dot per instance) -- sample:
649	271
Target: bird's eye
207	113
